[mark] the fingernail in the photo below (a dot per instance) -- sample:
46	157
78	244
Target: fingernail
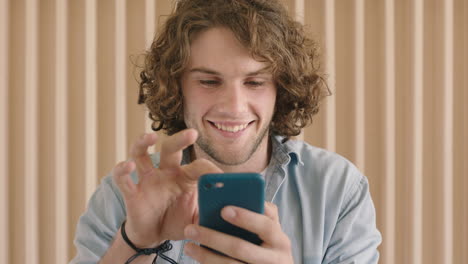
190	131
191	232
228	212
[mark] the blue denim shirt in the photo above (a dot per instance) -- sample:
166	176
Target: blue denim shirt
323	201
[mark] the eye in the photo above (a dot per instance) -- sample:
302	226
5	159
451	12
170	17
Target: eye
209	82
254	83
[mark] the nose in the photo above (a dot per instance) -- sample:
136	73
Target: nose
234	98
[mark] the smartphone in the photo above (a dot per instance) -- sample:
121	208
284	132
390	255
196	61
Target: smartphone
215	191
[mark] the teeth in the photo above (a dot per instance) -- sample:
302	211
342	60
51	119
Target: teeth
231	129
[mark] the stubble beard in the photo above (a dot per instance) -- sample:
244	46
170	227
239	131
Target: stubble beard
228	158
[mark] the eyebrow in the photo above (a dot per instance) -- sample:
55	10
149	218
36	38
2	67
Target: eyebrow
213	72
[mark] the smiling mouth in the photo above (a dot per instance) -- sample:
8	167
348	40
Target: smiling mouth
230	128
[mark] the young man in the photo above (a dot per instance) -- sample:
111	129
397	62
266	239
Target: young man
230	81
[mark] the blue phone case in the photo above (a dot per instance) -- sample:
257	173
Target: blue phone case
215	191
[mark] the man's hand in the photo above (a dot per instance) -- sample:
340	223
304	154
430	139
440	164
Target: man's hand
165	199
276	246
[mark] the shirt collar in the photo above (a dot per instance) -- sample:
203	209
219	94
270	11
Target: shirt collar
285	150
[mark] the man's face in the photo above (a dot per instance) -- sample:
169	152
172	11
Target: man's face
228	97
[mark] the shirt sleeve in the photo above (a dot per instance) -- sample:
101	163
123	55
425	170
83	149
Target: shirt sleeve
100	222
355	238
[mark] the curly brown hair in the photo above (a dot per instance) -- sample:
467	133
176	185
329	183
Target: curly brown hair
266	30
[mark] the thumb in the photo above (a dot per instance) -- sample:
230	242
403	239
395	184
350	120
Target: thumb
194	170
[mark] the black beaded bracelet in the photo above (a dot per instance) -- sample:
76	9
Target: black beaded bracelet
159	250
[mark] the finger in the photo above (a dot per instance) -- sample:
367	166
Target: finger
234	247
139	153
121	176
194	170
171	149
203	255
271	210
265	227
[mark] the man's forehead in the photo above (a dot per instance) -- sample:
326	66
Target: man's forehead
217	51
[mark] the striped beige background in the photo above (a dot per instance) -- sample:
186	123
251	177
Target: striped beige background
397	68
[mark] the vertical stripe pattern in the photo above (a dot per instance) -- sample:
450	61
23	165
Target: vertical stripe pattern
417	133
389	188
31	123
61	140
4	115
90	97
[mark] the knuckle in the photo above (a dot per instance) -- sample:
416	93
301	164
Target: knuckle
286	242
117	171
272	226
270	231
239	249
274	208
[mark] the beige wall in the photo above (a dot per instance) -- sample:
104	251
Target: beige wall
397	69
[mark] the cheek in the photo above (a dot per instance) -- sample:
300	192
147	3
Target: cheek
269	102
194	107
193	101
